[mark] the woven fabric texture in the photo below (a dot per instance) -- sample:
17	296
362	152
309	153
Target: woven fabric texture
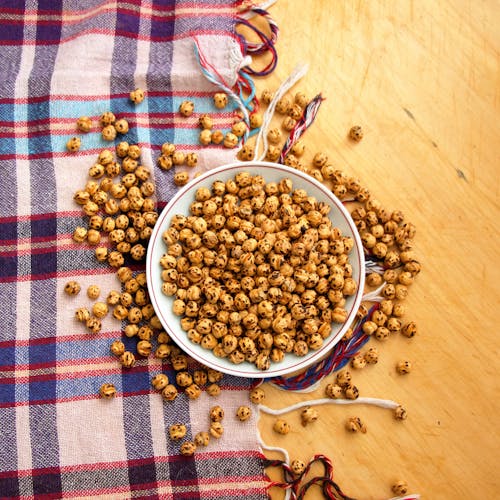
63	59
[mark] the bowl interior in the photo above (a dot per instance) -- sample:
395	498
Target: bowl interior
180	205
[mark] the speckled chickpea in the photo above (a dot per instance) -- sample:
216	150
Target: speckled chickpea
308	415
284	104
177	431
122	126
371	355
186	108
281	426
298	467
274	136
220	100
404	367
356	133
82	314
117	348
400	487
137	96
191	160
108	133
93	324
181	178
213	390
334	391
127	359
230	140
188	448
216	414
239	128
72	288
84	124
169	392
354	424
73	144
202	438
107	391
243	413
257	395
216	430
93	292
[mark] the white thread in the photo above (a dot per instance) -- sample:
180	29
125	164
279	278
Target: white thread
414	496
381	403
374	296
297	73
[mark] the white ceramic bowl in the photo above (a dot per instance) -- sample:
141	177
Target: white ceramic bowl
180	205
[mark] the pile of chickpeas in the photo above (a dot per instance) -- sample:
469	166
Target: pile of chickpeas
257	270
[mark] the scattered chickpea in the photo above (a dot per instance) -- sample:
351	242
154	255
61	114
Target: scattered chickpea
216	430
216	414
308	415
121	126
220	100
73	144
72	288
354	424
400	487
186	108
202	438
257	395
117	348
298	467
356	133
188	448
243	413
84	124
137	96
107	391
281	426
400	413
93	292
230	140
177	431
404	367
108	133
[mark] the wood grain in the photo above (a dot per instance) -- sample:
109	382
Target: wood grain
423	80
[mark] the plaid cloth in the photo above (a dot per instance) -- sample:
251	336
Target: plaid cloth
62	59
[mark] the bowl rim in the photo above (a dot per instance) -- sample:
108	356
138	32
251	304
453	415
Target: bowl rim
211	361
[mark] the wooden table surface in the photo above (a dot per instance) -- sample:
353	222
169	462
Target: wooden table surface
423	81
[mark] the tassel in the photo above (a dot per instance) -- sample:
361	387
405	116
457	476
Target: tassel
302	125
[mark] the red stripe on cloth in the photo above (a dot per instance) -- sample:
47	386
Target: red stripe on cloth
126	34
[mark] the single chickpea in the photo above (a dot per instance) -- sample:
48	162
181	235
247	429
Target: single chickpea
202	438
243	413
73	144
400	487
72	288
216	430
117	348
107	391
356	133
404	367
220	100
93	292
169	392
281	426
121	126
137	96
84	124
127	359
177	431
298	467
108	133
230	140
188	448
